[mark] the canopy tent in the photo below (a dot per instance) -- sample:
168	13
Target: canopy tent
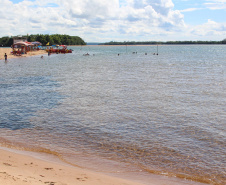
36	43
22	44
29	43
23	47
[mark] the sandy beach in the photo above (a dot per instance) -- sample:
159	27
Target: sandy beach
9	55
17	168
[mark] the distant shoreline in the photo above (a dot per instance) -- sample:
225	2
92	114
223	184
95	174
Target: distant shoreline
123	44
103	45
164	42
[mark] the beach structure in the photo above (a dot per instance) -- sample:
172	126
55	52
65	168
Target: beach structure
19	39
24	47
36	43
21	48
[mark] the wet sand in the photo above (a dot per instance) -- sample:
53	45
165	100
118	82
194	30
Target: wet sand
18	168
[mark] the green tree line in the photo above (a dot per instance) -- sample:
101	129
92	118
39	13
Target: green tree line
167	42
6	41
44	39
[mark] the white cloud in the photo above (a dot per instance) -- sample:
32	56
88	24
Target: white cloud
211	28
216	4
190	9
94	20
217	1
90	8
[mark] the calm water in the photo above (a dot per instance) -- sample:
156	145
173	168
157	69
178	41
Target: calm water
162	114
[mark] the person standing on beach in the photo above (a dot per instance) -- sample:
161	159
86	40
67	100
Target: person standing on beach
5	57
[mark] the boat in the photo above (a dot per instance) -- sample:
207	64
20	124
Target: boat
58	49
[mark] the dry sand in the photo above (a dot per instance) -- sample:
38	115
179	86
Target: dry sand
21	169
9	55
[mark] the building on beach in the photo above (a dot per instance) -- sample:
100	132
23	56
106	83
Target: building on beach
19	39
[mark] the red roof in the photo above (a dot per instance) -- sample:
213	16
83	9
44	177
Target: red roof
23	43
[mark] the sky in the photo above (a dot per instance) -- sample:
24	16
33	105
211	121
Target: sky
116	20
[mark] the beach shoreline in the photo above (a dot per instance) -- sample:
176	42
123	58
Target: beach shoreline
19	168
10	56
25	167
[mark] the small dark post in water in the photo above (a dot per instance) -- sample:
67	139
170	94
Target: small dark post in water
157	49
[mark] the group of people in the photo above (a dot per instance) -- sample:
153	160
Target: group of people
87	54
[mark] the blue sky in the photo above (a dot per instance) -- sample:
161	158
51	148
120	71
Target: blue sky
201	12
116	20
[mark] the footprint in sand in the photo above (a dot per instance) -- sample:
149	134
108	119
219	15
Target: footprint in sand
48	168
82	179
7	164
50	183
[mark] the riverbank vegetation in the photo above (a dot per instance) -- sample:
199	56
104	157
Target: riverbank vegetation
162	43
46	40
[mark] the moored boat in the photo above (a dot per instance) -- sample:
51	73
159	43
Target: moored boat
58	49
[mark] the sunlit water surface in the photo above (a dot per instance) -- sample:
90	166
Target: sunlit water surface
152	114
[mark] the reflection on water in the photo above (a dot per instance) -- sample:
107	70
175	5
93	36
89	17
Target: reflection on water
160	114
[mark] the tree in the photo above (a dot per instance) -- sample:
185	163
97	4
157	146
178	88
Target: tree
6	41
31	38
224	41
44	39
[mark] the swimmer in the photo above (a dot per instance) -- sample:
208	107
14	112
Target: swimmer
5	57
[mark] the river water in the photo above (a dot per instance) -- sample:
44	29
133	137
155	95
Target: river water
154	114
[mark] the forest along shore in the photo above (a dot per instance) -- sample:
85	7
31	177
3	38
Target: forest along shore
9	55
